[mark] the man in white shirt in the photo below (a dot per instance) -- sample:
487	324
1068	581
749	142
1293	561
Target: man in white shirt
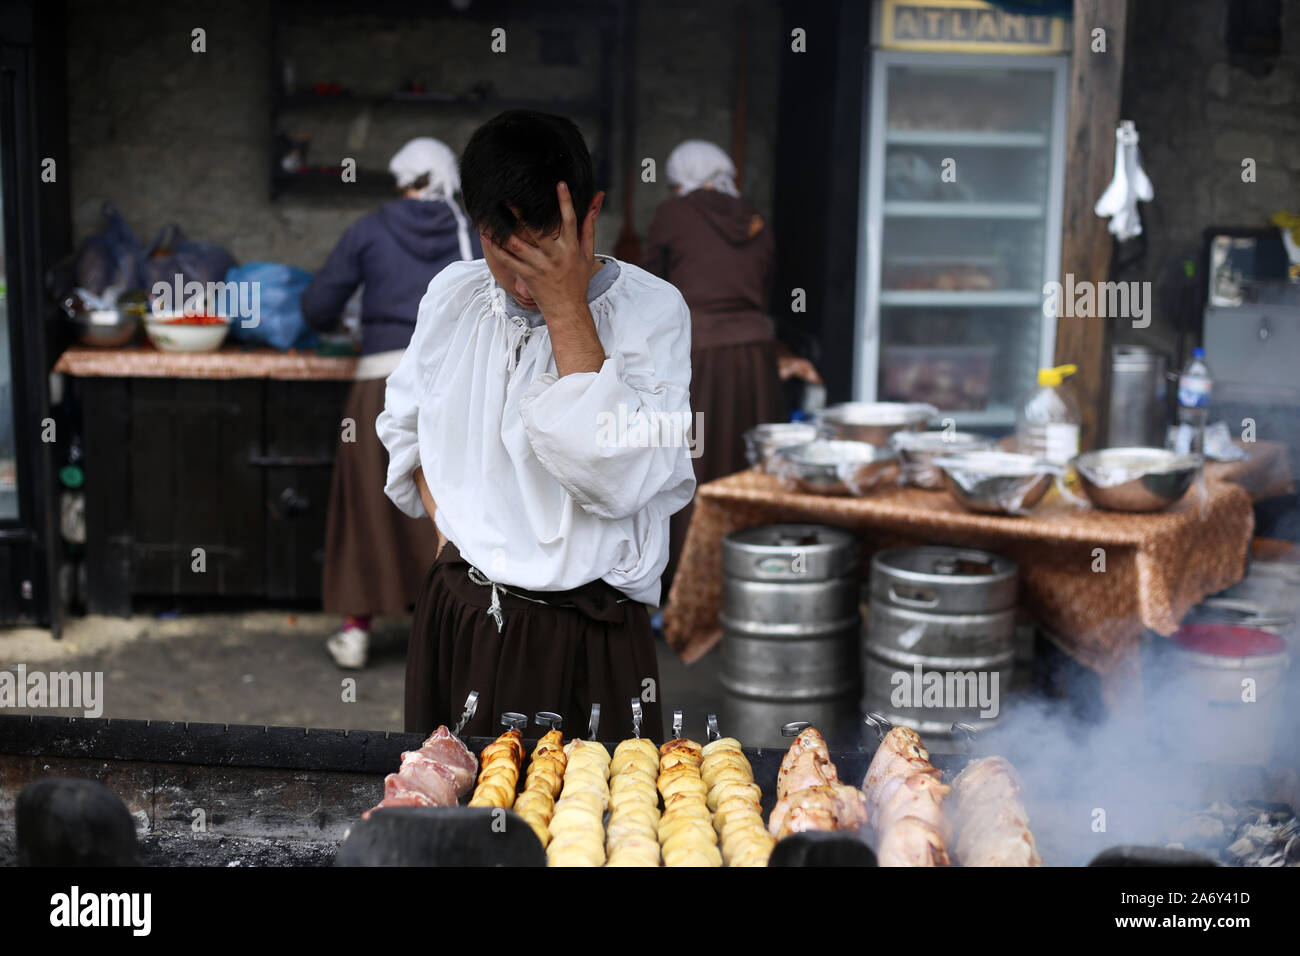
543	404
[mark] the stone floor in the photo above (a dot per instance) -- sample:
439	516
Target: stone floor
262	667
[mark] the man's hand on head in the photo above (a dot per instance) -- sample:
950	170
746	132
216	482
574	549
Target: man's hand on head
557	269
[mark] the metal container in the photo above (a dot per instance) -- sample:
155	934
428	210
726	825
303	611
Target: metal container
764	441
103	328
832	467
940	618
1135	479
1219	693
1138	397
918	450
790	613
873	422
996	482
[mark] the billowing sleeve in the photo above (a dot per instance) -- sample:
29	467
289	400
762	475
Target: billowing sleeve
397	424
617	439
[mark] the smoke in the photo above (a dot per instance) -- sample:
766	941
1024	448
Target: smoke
1136	778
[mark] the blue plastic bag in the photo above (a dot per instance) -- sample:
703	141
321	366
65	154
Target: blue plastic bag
276	290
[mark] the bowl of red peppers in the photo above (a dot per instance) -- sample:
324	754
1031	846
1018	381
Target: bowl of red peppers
178	332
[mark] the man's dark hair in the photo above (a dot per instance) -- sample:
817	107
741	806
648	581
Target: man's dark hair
516	160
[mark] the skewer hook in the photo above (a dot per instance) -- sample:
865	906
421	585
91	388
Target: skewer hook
795	728
594	722
713	733
636	718
471	705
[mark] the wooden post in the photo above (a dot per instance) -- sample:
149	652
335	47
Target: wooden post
1096	83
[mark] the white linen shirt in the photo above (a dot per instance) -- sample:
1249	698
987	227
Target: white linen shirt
528	483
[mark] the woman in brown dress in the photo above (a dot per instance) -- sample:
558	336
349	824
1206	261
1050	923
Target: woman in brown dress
717	249
375	556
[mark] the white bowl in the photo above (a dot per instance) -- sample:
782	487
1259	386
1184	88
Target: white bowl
170	335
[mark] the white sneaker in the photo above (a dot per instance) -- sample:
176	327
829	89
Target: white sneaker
349	648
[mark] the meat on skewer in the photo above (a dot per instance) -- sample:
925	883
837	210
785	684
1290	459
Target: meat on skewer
809	794
904	796
437	775
990	818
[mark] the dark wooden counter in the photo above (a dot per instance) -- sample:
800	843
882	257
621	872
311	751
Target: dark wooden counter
230	452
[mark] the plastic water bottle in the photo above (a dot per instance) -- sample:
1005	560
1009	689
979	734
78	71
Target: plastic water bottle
1194	387
1047	425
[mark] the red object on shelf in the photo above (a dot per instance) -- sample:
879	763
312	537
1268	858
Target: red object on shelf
1227	640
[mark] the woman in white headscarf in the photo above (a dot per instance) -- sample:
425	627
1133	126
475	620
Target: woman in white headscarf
375	556
717	249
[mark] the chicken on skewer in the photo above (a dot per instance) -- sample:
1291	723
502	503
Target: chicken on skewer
735	799
542	782
989	816
809	794
904	795
632	834
576	828
437	775
686	835
498	775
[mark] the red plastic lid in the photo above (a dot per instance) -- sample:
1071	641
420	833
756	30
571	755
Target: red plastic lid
1227	640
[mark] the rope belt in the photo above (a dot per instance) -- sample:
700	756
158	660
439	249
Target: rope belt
494	609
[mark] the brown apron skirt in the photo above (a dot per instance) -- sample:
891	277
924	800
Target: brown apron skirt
546	657
734	388
375	556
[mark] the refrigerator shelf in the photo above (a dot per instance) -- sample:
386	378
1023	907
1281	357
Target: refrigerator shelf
997	139
958	299
931	209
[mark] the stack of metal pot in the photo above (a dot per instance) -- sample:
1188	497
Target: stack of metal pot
790	621
939	643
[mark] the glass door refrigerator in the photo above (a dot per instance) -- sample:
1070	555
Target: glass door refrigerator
961	228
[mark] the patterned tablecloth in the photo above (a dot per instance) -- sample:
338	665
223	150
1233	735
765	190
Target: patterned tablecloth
1156	566
145	361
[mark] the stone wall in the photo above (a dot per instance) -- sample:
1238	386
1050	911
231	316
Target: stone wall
172	135
1199	118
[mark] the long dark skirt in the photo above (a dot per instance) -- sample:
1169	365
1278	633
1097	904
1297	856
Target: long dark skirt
561	659
375	556
734	387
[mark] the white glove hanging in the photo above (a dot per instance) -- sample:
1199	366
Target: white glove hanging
1129	185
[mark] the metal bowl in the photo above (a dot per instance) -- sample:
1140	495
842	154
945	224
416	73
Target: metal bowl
762	442
918	450
831	467
105	328
873	422
997	482
1136	479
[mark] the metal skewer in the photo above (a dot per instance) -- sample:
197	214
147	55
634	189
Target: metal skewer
471	705
636	718
594	722
514	721
966	733
548	719
677	724
713	733
879	723
795	728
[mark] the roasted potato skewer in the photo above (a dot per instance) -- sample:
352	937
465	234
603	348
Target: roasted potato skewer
498	775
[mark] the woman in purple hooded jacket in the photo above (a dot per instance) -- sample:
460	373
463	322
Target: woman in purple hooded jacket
375	556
